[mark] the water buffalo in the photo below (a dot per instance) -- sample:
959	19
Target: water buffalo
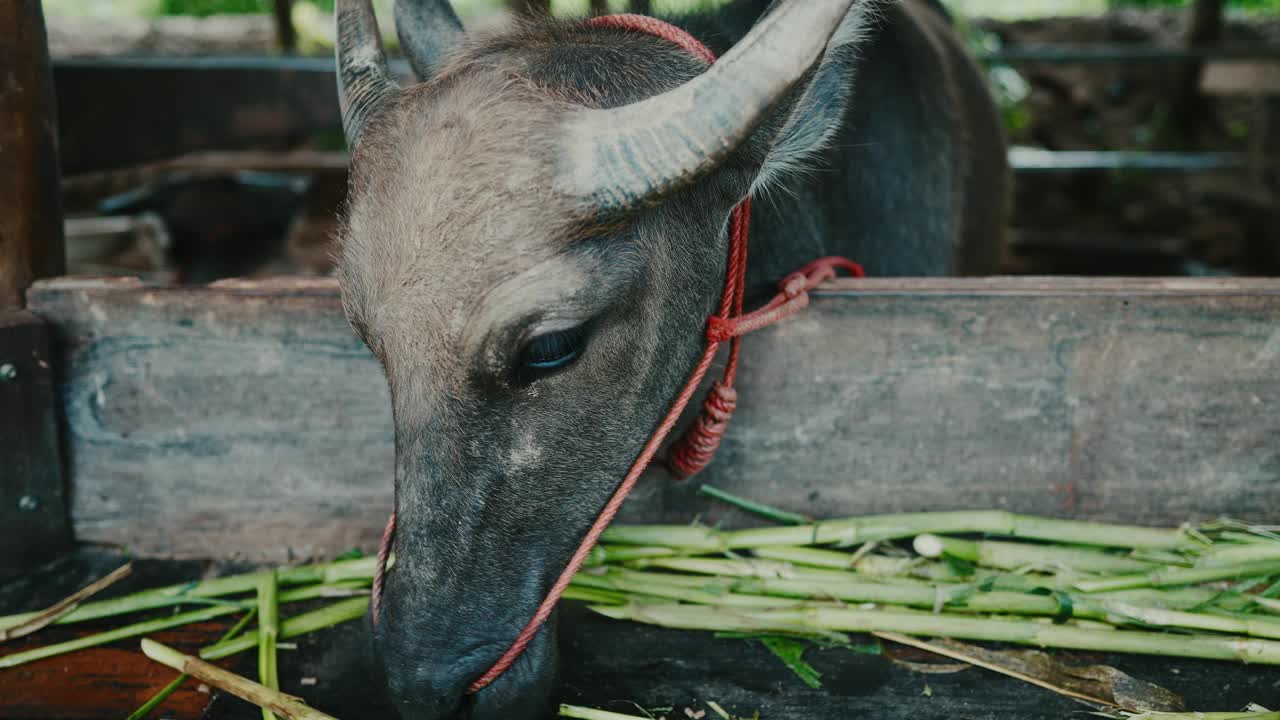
536	234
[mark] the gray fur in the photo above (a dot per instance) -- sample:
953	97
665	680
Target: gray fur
458	247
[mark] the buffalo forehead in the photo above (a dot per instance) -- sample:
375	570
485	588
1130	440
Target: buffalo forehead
456	198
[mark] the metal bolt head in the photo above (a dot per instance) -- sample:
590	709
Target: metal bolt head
28	503
8	372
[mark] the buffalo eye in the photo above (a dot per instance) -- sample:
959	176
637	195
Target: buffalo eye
549	353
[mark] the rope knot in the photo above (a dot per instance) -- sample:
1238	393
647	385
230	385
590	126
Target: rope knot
694	451
721	330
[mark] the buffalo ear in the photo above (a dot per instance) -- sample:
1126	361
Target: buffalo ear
814	112
428	30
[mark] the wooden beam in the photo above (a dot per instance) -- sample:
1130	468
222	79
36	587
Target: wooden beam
33	510
245	417
532	8
286	34
30	203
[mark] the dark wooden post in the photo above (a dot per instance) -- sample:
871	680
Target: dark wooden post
642	7
31	243
531	8
33	510
286	35
1191	109
599	7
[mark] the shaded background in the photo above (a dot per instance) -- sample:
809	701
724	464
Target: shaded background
1159	118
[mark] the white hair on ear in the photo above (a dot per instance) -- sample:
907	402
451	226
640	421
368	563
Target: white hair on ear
817	115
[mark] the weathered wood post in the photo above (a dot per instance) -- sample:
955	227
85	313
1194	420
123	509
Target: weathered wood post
30	203
1191	110
531	8
33	509
286	34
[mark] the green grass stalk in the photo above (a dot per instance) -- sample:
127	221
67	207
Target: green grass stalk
1015	631
164	623
328	616
122	633
243	688
657	586
769	513
360	569
1259	627
268	630
583	713
854	531
1014	556
1179	576
155	700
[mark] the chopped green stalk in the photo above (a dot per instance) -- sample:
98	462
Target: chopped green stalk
812	557
1179	576
850	587
243	688
955	598
677	591
1162	557
1219	555
325	573
582	713
268	629
110	636
755	508
1242	537
170	621
594	595
734	568
854	531
158	698
1013	556
1230	624
1205	716
605	554
172	687
860	587
1273	591
875	565
1023	632
328	616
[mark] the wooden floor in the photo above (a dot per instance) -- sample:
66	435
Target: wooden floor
607	664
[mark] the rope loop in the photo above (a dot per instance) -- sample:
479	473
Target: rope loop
694	451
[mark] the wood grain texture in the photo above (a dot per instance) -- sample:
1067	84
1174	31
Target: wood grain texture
244	418
33	509
30	203
106	682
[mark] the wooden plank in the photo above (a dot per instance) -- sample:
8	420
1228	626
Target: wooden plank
1121	53
30	201
106	682
245	418
1241	79
1025	160
33	510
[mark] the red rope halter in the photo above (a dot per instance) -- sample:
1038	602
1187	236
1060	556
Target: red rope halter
692	453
